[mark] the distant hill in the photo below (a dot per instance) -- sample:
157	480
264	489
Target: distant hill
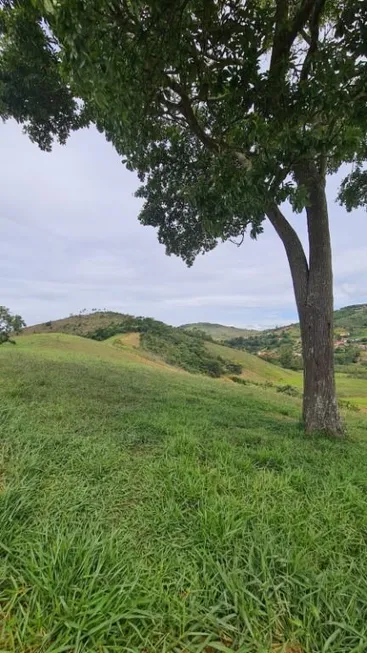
352	319
282	345
219	331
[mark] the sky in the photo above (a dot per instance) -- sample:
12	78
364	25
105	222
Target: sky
71	239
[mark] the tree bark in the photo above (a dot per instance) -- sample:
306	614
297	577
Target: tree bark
313	287
320	407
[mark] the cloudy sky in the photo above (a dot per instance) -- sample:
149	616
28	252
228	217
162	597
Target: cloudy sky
70	239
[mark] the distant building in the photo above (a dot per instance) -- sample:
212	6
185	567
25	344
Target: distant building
339	343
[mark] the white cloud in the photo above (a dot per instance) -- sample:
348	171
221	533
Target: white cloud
245	301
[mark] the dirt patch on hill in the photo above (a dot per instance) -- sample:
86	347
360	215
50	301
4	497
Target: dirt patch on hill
130	340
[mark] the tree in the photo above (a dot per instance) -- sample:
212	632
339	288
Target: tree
226	109
9	325
32	90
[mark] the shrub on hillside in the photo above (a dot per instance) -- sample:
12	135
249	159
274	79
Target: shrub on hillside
127	325
288	390
233	368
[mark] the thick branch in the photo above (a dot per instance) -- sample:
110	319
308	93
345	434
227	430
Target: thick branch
185	107
305	36
281	20
314	181
295	254
314	38
188	112
285	33
301	18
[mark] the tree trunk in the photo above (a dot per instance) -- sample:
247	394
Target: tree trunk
313	287
320	407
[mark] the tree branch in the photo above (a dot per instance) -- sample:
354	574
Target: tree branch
305	36
285	33
295	254
185	106
314	38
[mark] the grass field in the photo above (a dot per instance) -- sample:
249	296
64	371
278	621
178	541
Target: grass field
145	510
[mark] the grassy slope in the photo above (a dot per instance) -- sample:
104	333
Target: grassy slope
350	388
348	318
144	510
126	348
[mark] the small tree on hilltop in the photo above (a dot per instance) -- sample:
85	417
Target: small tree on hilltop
9	325
226	109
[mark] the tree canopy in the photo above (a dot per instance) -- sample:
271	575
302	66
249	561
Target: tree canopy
226	85
32	88
193	94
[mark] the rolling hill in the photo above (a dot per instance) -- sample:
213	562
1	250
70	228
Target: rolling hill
281	345
158	345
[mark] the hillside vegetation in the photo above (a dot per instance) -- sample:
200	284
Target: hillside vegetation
143	509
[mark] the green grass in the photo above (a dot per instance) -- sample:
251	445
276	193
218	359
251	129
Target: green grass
145	510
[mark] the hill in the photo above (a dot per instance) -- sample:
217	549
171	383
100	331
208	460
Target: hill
142	509
78	325
219	331
172	345
155	343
